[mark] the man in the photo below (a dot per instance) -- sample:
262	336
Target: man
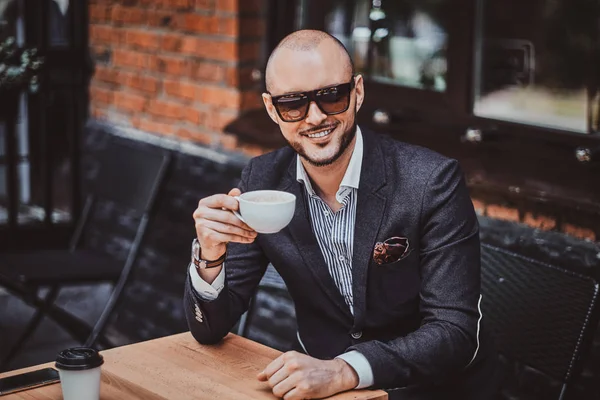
381	257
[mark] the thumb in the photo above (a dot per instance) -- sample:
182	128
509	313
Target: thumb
234	192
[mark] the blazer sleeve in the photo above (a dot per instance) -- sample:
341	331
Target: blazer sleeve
210	321
447	340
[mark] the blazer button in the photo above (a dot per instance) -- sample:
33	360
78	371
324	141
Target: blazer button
356	335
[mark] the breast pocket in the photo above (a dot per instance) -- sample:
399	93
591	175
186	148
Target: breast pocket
396	284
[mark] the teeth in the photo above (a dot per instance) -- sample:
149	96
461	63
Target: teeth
320	134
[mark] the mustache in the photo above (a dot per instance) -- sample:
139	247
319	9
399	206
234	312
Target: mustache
318	129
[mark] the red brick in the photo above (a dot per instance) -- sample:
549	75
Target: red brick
107	75
228	26
194	116
130	102
208	72
135	59
152	126
228	5
217	119
166	109
177	4
227	51
198	23
173	65
228	142
98	13
103	34
501	212
195	135
220	97
479	206
99	112
142	39
160	18
171	42
540	221
183	90
101	96
252	27
101	54
209	49
579	232
140	82
127	15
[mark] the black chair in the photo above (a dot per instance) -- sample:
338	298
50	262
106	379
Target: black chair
271	280
129	177
543	318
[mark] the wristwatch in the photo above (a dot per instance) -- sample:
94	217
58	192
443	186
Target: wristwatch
201	263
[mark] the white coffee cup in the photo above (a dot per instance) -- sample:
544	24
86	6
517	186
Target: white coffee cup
266	211
79	369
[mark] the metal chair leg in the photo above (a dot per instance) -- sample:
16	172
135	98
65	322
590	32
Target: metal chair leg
246	319
31	327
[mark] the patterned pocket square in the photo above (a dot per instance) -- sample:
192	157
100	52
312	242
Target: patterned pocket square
391	250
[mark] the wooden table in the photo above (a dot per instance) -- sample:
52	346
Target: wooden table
179	368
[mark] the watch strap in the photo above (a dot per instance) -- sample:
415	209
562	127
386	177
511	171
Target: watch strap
203	264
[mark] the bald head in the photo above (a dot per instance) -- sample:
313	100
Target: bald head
312	43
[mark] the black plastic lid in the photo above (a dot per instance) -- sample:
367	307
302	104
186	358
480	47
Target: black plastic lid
78	359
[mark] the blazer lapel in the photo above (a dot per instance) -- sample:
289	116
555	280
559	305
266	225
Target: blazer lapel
301	231
369	214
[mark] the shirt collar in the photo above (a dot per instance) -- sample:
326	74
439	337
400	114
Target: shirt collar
351	178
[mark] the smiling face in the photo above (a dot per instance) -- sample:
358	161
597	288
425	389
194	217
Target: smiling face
319	138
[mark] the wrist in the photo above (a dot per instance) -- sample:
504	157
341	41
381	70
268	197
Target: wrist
214	252
348	376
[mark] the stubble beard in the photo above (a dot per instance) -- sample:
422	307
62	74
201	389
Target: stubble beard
345	141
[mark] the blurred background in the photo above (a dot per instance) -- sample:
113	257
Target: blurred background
509	88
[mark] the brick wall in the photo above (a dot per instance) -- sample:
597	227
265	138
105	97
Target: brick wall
179	68
576	223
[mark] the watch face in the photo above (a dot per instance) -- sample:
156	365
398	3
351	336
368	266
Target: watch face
196	249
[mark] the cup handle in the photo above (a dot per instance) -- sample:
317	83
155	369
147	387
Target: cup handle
236	213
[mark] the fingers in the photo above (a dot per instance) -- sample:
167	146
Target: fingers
273	367
231	231
294	394
219	201
221	217
234	192
287	385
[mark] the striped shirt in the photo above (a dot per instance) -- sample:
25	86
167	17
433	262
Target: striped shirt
334	231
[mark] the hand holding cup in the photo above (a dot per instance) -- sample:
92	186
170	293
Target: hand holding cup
216	225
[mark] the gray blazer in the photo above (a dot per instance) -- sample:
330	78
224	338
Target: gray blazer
417	318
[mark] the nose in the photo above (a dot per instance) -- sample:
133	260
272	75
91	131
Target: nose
315	116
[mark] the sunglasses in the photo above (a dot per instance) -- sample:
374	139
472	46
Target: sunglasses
331	100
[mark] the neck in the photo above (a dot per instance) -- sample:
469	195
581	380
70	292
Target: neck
326	179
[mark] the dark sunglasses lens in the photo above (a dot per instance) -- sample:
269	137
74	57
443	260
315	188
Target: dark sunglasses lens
334	100
292	108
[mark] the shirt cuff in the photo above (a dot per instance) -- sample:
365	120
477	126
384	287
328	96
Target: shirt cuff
205	290
361	365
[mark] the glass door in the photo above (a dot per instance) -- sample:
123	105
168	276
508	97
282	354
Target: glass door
413	54
44	72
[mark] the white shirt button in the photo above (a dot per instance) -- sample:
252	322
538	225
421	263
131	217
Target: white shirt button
342	258
326	213
356	335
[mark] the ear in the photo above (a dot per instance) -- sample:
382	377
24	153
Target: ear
359	86
270	107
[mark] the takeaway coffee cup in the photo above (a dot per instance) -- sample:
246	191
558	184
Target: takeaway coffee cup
79	370
266	211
